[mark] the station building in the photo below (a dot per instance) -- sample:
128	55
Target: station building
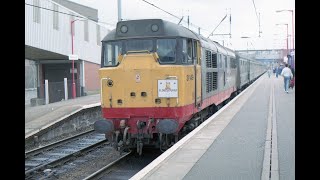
48	44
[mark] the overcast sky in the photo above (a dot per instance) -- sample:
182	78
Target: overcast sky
208	13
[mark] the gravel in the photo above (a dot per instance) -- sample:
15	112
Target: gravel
30	146
86	164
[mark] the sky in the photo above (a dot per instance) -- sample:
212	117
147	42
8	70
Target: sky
207	14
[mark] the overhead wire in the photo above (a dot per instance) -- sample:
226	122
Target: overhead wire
255	10
191	24
254	5
111	24
217	25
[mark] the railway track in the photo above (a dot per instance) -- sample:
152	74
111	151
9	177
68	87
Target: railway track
60	152
126	166
101	172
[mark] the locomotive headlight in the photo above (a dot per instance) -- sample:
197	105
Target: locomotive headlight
124	29
154	28
110	83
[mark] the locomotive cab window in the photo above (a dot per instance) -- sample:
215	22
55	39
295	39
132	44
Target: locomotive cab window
111	51
139	45
166	49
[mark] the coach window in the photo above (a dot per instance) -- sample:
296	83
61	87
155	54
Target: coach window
234	63
166	49
111	51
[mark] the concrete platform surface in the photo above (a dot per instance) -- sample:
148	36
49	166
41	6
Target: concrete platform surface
40	117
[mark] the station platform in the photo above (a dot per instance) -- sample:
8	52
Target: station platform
40	117
250	138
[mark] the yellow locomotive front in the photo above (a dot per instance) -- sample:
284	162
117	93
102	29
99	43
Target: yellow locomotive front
150	83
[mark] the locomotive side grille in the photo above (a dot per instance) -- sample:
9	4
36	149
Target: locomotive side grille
212	81
214	60
215	81
209	82
208	59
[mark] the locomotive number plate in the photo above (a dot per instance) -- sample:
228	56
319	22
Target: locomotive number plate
168	88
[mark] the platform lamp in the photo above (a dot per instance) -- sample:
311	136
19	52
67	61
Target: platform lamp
289	10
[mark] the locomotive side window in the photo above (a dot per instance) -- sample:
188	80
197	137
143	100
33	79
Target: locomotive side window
194	51
189	43
166	49
184	51
111	51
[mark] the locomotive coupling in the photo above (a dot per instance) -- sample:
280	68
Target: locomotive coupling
103	126
141	124
122	124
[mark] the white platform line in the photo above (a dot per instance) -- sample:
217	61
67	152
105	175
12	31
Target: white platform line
274	144
270	168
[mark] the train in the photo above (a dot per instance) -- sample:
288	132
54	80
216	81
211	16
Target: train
160	80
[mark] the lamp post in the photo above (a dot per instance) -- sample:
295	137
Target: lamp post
292	25
73	83
287	35
72	36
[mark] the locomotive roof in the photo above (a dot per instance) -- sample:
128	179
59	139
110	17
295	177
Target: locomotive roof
143	28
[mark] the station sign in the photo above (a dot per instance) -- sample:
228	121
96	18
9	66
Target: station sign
74	70
73	57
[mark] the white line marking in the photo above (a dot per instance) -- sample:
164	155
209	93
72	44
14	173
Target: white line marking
270	168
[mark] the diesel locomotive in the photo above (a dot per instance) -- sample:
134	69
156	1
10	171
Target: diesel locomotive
160	80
